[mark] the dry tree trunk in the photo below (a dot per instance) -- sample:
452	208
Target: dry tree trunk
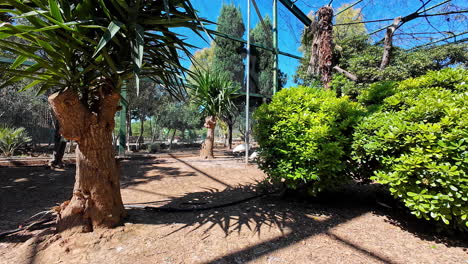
348	75
206	151
388	43
321	59
96	200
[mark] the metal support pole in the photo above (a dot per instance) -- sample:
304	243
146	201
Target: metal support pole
275	47
123	120
247	92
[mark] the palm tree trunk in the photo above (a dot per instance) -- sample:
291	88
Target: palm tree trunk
206	151
96	200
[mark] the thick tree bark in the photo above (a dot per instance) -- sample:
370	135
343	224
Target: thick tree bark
206	151
322	46
388	43
59	148
96	200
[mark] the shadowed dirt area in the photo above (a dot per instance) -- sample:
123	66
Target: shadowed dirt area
343	227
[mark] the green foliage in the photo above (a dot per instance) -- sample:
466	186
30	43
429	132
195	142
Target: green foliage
305	136
203	58
375	93
11	139
180	116
344	87
228	53
213	92
92	46
145	102
350	15
417	144
262	60
261	74
364	61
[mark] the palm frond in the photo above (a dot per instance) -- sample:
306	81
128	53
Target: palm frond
213	92
73	42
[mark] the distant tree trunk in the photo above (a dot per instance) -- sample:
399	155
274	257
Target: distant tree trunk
172	138
225	139
96	200
152	130
229	120
321	62
129	128
167	134
388	43
142	128
59	148
206	151
230	125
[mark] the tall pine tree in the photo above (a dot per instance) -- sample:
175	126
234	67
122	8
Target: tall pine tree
228	54
262	61
261	73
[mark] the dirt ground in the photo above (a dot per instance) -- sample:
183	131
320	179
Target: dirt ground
348	227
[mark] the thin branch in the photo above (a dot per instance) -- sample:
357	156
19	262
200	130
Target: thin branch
390	19
424	5
410	17
439	40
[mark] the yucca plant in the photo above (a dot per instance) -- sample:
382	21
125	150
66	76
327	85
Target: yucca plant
11	139
213	92
83	51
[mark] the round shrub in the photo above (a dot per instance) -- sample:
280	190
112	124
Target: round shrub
375	93
418	145
305	137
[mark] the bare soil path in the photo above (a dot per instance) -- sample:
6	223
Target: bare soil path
348	228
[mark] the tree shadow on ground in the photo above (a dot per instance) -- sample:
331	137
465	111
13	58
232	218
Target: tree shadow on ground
140	172
400	216
296	219
25	191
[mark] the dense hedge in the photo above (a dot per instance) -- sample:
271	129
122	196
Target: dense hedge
305	137
418	145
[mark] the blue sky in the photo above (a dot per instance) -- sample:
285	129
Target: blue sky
289	27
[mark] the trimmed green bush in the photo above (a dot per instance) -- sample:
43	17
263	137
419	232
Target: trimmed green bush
375	93
418	145
305	138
